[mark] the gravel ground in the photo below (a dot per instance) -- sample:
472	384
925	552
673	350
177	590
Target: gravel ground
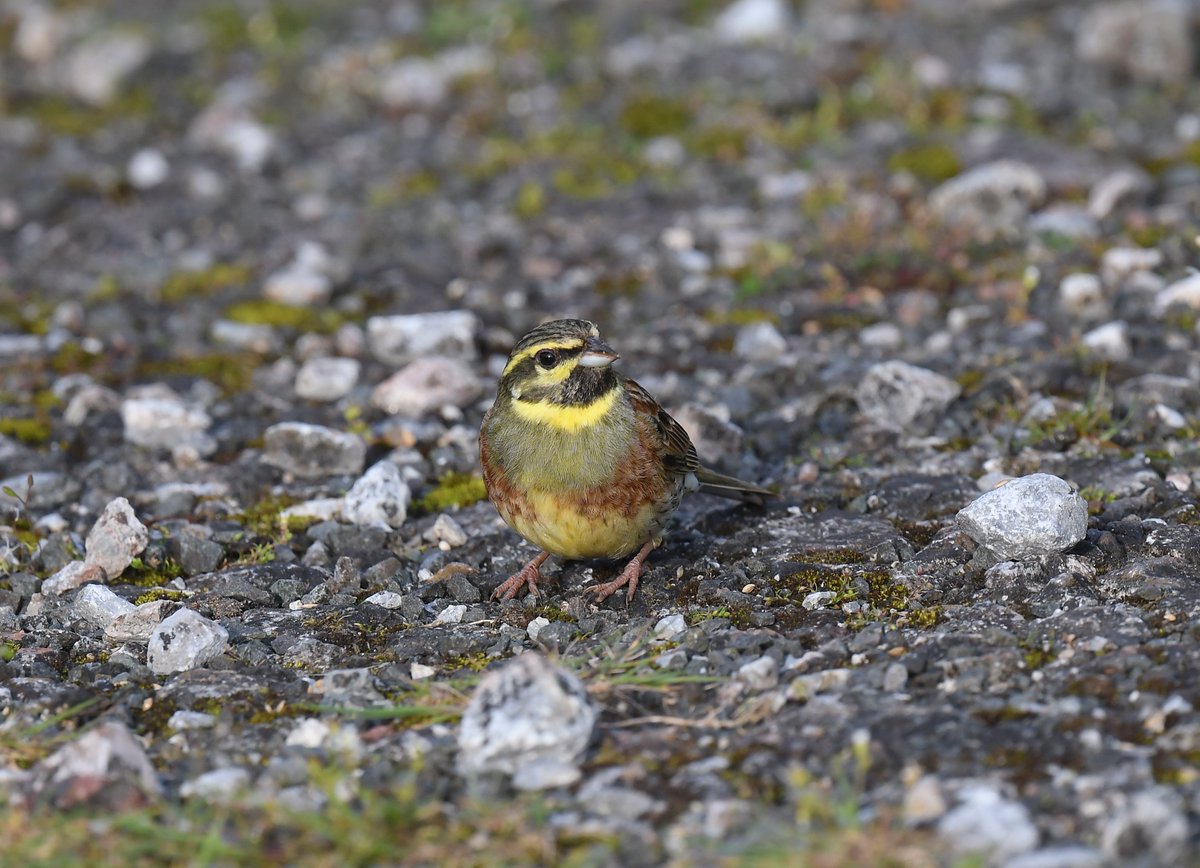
261	263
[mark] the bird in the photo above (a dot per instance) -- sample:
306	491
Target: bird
583	462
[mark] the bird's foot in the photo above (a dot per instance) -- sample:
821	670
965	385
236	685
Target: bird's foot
530	575
629	577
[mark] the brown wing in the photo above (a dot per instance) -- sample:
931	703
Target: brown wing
679	455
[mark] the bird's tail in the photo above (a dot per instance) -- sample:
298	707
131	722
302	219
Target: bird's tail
712	482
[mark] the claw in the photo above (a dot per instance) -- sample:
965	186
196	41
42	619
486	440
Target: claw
529	575
629	577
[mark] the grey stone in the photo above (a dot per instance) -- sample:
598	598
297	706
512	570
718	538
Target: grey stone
48	490
74	575
902	397
988	826
379	498
157	418
116	538
313	451
98	605
759	342
752	21
427	384
670	626
184	641
219	785
527	719
1150	42
397	340
195	555
1031	516
991	199
96	68
327	378
139	624
105	768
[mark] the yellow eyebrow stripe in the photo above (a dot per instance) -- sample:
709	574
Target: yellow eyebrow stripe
565	417
537	348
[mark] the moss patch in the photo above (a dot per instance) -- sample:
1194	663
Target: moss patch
453	489
184	285
273	313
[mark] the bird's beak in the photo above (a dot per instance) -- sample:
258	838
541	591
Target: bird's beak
597	354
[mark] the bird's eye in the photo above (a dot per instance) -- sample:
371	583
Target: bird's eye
547	358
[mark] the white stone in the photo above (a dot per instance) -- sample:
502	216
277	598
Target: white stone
386	599
988	826
184	641
116	538
96	68
759	342
163	421
1110	340
184	720
379	498
74	575
528	719
313	451
1030	516
535	627
670	626
138	625
1082	295
1118	263
397	340
419	671
319	509
445	529
761	674
882	336
452	614
992	198
218	785
752	21
147	169
1182	292
98	605
902	397
428	384
327	378
817	599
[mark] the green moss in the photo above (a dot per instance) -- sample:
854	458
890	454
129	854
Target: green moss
883	592
184	285
31	432
8	650
264	519
31	316
530	201
71	358
453	489
925	619
727	144
65	117
273	313
149	575
476	662
646	116
232	372
932	162
155	594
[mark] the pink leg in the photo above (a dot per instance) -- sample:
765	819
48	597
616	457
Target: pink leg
629	576
528	575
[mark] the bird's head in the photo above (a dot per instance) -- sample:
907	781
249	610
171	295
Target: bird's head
561	374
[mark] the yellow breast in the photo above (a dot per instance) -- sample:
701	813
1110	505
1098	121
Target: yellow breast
553	523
